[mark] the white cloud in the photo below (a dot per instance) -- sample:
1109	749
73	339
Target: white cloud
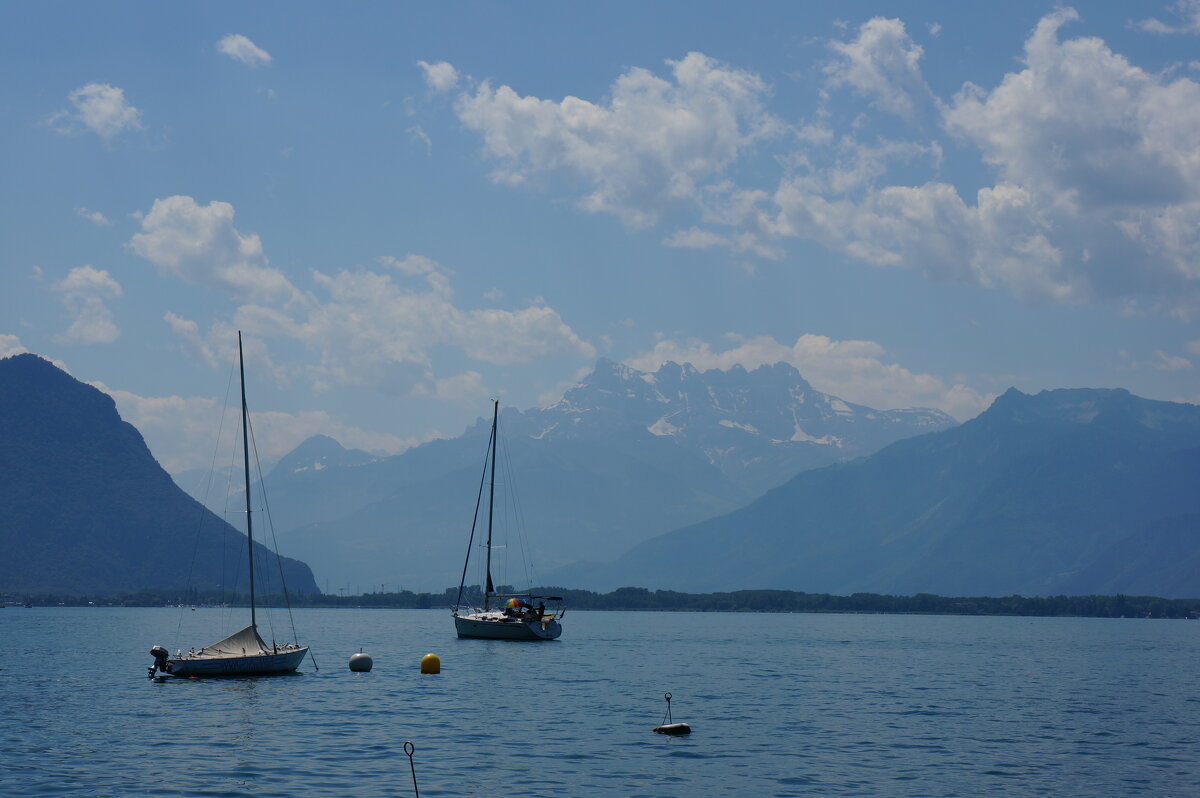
852	370
1166	362
440	77
655	142
181	432
883	63
466	389
377	329
240	48
1098	195
1107	158
100	108
695	238
95	217
1187	10
554	393
368	328
10	345
199	244
1160	360
83	292
418	133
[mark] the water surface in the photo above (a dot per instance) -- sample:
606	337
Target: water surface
780	705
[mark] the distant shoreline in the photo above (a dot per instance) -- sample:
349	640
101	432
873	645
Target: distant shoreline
641	599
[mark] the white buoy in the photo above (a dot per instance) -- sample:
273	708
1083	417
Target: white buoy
360	662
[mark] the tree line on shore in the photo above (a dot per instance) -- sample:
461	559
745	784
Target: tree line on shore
638	598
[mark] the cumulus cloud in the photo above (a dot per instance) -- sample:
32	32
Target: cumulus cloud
655	142
95	217
199	244
367	327
695	238
1098	196
852	370
1160	360
466	389
10	345
181	431
1188	12
377	328
83	292
100	108
240	48
439	77
883	64
1096	163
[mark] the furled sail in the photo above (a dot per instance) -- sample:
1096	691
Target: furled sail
239	644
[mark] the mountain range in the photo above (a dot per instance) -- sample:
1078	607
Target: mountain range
1068	491
624	456
86	509
677	479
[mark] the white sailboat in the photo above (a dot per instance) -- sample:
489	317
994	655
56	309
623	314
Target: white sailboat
514	617
243	653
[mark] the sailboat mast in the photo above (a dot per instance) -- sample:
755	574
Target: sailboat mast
246	469
487	588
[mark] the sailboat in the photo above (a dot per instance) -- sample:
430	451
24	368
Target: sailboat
503	616
243	653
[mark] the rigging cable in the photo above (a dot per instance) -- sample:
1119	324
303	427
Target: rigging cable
262	486
204	505
474	522
523	544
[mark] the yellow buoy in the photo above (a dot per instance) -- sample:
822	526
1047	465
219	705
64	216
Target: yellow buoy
431	664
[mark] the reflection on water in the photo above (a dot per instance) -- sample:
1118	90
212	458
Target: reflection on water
779	705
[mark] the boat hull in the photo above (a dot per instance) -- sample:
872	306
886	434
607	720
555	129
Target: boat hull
250	665
491	628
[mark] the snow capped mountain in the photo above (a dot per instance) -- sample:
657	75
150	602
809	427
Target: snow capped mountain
318	453
625	456
758	427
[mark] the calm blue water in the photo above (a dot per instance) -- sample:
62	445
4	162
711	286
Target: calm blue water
780	705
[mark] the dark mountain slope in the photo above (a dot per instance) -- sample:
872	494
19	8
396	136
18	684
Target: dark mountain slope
84	507
1023	499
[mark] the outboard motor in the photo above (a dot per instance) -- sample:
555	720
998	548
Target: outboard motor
160	661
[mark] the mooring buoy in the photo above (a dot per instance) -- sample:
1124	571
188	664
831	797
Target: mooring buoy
360	662
669	727
431	664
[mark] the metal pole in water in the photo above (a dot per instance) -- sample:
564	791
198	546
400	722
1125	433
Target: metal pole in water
408	749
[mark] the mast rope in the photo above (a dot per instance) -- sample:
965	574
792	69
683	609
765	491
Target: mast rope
204	506
262	486
513	500
474	522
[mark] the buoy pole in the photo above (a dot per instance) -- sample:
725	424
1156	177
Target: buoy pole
408	749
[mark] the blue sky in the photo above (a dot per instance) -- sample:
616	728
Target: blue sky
409	209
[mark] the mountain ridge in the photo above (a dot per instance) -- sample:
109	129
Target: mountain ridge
1022	499
87	509
624	455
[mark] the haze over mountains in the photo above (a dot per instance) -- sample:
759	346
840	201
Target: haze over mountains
1069	491
624	456
85	508
673	479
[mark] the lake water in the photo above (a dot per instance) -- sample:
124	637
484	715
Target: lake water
780	705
